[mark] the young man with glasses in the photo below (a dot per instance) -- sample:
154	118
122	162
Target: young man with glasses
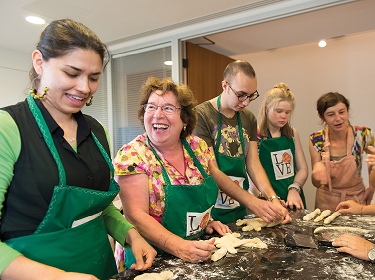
230	130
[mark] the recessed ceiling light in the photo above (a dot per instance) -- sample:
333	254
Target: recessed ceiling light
168	62
322	43
35	20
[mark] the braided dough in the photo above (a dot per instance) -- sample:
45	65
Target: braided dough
230	241
255	224
329	219
164	275
324	214
312	215
320	229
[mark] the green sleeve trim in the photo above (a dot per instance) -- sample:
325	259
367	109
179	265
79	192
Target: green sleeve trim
116	224
10	148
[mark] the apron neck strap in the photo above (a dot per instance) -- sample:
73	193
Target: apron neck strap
217	145
104	154
189	150
47	138
51	146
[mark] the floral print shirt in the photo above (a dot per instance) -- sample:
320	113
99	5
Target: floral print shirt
136	157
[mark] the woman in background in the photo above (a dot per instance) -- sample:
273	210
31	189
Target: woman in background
336	155
280	149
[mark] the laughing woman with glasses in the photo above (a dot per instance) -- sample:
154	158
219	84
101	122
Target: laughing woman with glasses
166	175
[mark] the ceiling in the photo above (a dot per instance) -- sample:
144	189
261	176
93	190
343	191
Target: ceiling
118	20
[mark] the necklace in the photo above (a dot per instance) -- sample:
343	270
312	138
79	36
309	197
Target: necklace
71	138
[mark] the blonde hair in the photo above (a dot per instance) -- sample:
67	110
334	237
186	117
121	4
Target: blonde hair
280	92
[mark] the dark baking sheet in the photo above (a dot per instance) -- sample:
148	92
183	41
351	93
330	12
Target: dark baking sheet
278	261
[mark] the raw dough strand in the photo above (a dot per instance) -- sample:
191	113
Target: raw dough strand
164	275
324	214
329	219
311	215
320	229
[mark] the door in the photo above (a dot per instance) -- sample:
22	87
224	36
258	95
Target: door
204	71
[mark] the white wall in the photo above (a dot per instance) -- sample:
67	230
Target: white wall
346	65
14	72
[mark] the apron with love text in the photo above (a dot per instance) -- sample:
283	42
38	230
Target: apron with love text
187	208
72	236
227	209
277	156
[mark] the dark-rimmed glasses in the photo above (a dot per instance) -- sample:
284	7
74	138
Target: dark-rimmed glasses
167	109
243	97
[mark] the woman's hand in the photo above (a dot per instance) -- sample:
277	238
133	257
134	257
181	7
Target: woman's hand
143	252
370	157
349	207
294	199
319	173
353	245
218	226
196	251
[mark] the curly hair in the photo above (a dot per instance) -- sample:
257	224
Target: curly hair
185	99
280	92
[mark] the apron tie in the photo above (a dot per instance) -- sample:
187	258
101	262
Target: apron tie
326	158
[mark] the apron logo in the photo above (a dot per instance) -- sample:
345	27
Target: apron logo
283	164
196	222
224	201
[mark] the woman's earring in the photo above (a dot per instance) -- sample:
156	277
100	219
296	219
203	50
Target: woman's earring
184	127
44	93
33	92
89	103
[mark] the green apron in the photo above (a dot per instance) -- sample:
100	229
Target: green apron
72	235
187	209
277	156
227	209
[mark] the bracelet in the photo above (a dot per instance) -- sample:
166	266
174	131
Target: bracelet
273	197
297	183
296	187
260	195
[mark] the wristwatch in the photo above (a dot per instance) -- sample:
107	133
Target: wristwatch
371	254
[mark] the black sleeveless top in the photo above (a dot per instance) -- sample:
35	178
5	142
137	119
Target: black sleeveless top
35	172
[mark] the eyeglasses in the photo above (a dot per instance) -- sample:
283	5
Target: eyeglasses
167	109
243	97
